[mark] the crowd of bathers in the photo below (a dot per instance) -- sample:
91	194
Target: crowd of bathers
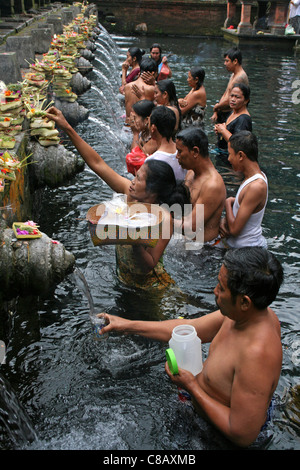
171	129
170	163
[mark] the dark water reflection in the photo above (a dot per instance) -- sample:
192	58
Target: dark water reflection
114	394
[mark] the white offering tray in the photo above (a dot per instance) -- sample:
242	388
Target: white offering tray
119	214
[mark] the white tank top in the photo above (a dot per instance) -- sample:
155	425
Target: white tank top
251	234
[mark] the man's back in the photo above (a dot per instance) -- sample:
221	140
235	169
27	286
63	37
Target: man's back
208	188
131	97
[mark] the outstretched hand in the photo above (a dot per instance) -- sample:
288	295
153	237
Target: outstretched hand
113	323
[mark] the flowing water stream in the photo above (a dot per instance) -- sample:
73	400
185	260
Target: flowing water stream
60	389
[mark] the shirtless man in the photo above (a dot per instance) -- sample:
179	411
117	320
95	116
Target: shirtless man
239	377
146	89
233	63
205	184
244	213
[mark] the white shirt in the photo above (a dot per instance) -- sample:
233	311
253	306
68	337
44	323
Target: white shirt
295	9
171	159
251	234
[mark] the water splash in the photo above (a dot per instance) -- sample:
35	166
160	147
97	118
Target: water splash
105	79
78	277
108	71
106	102
109	132
13	418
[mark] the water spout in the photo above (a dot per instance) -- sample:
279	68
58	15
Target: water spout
106	102
105	79
81	283
114	136
13	418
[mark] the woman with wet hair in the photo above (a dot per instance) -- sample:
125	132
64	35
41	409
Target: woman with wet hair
138	265
194	104
163	70
140	126
165	94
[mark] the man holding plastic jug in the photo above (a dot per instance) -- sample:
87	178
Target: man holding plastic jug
236	385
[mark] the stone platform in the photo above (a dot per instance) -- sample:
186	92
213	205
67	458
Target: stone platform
264	38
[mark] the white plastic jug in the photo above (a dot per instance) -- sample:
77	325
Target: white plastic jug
187	348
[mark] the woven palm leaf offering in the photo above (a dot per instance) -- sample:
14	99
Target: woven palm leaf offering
27	229
10	101
117	223
35	78
11	118
7	141
10	164
40	127
4	122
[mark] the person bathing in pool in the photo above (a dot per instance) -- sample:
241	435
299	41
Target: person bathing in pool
154	183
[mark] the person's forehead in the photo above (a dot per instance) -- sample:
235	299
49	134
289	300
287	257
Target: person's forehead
142	171
230	149
180	144
223	276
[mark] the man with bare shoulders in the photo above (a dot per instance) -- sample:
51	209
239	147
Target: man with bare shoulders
239	377
233	63
244	213
205	184
140	87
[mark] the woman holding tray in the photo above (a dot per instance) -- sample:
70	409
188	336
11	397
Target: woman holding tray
138	265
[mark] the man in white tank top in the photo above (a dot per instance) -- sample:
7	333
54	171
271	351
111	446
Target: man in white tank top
244	214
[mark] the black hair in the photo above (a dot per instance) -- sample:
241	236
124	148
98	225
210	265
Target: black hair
161	181
165	121
148	65
156	45
143	108
136	52
194	137
198	72
234	53
255	272
246	142
168	86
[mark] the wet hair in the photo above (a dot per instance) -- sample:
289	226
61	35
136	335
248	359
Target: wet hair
143	108
198	72
155	45
165	121
136	52
194	137
246	142
234	53
245	89
161	181
255	272
168	86
148	65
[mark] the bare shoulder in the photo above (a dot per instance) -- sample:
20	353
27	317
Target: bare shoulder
214	182
242	77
